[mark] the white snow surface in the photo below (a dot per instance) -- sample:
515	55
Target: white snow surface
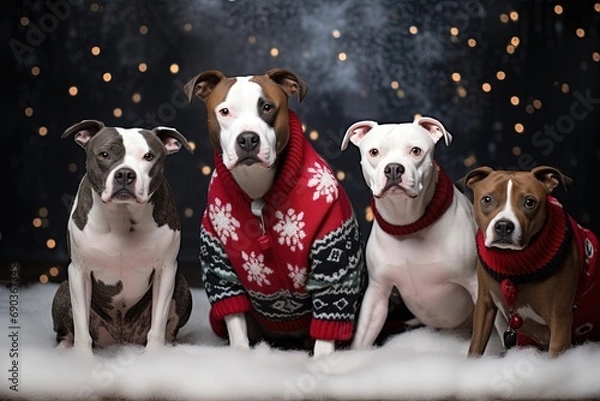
420	364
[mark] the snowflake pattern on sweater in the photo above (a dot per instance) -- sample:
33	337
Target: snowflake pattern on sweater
310	274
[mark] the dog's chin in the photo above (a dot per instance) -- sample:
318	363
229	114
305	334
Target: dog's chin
123	196
504	244
396	191
252	162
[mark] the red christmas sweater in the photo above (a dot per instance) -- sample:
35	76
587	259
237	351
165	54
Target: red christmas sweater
543	256
302	266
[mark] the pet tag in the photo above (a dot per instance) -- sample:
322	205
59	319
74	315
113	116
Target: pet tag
510	338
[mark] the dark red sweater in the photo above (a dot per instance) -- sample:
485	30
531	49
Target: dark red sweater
310	272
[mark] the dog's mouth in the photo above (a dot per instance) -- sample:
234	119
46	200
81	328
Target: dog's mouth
504	243
395	188
123	195
249	161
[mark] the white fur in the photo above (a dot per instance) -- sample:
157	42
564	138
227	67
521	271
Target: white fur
507	213
434	269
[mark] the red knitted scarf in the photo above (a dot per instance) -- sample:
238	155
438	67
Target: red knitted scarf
444	193
538	259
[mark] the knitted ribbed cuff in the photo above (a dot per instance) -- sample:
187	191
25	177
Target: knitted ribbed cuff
331	330
230	306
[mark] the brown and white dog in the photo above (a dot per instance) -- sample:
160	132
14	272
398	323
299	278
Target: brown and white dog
536	264
280	246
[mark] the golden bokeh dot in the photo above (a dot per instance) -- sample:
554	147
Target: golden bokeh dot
72	167
470	161
537	104
24	21
95	7
400	93
117	112
413	30
455	76
395	85
274	52
504	18
53	271
514	100
188	212
516	150
368	214
313	135
174	68
519	128
43	212
580	32
95	50
252	39
107	77
486	87
35	71
43	131
187	27
335	33
73	91
51	244
597	7
206	170
192	145
417	116
596	56
142	67
28	111
342	56
341	175
454	31
564	88
43	279
472	42
515	41
136	98
461	91
143	29
558	9
37	222
514	16
529	109
510	49
500	75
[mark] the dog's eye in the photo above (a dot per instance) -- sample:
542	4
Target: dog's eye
148	156
530	203
267	108
374	152
486	201
103	155
416	151
224	112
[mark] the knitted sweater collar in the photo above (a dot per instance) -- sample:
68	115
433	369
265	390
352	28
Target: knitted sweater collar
288	171
444	193
539	258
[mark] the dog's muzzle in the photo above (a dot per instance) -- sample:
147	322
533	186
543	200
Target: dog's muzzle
393	174
124	184
247	145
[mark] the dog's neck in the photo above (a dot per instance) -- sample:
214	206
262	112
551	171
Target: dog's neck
121	217
255	180
402	210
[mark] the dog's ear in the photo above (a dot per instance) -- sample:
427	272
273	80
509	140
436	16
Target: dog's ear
472	178
289	82
551	177
357	132
172	139
84	131
202	84
435	128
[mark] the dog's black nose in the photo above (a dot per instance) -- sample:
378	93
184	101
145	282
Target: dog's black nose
124	176
504	227
248	140
394	171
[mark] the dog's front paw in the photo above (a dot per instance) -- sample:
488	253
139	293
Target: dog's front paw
154	343
323	348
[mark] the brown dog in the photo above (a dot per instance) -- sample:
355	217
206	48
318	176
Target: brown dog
536	264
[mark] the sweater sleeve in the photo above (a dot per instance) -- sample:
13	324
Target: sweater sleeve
337	274
223	288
